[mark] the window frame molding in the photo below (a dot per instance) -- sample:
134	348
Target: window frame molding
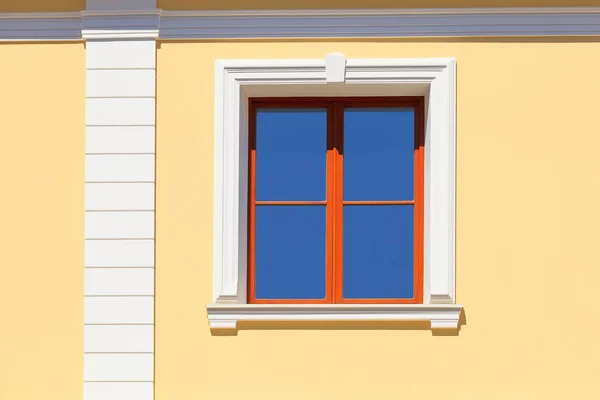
334	109
238	80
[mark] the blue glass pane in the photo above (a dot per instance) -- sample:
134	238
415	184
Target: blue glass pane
290	252
378	252
379	154
291	154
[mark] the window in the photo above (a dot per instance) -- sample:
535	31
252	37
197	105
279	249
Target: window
336	200
337	78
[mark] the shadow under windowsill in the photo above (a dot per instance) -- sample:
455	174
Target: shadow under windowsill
341	326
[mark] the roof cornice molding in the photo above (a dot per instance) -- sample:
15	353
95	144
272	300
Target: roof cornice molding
248	24
384	11
40	26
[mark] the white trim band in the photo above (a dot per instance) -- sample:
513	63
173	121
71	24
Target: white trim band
152	23
226	316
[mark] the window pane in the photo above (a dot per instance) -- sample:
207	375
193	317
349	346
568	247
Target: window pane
290	252
291	154
379	154
378	252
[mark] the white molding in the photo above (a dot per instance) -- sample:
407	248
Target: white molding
117	25
100	34
120	20
226	316
125	23
236	80
120	24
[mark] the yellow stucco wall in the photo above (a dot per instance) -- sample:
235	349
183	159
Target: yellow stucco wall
527	254
527	218
42	133
8	6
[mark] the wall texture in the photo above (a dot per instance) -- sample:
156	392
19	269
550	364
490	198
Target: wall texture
8	6
42	101
527	218
527	257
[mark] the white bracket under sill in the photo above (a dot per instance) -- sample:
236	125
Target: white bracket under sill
226	316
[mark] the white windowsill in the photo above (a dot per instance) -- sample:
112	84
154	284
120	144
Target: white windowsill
226	316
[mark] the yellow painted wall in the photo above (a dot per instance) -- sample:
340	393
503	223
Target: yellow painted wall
8	6
528	260
42	133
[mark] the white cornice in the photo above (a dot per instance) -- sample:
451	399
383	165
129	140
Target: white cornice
120	24
381	23
458	22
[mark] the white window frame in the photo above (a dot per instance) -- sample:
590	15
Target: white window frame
238	80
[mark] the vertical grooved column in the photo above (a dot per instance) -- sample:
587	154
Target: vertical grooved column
119	219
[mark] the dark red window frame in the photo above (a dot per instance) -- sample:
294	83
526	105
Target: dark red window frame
335	170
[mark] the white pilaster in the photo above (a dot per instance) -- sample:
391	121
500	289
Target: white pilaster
120	190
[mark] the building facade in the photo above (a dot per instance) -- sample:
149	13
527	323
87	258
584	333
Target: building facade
130	268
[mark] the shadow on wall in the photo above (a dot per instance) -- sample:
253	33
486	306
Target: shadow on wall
342	325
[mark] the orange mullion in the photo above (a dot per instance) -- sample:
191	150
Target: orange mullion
338	200
251	202
330	234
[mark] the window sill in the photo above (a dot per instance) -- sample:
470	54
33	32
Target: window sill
440	316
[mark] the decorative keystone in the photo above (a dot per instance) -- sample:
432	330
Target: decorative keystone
335	64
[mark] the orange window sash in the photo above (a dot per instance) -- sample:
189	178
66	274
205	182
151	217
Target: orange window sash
334	200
